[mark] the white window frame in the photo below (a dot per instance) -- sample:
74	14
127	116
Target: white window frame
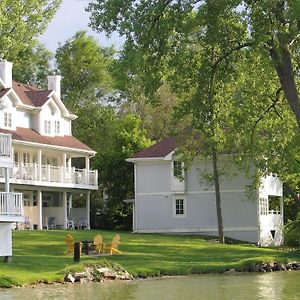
263	206
178	166
16	157
7	119
56	127
179	197
47	127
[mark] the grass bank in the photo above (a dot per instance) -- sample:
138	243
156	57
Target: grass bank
38	256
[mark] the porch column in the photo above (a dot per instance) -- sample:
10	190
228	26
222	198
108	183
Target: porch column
87	170
88	205
65	210
70	204
69	163
7	180
64	166
40	209
281	209
87	163
39	162
133	217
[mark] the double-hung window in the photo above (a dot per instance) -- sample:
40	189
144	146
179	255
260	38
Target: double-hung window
179	206
47	127
7	120
56	127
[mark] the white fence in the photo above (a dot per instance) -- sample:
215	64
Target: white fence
48	173
11	204
5	145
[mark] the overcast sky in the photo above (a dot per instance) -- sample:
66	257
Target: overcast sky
70	18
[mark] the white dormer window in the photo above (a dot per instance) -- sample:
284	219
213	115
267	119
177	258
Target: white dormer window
7	120
57	127
47	127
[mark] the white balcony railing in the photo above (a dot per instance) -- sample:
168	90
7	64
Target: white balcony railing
11	204
5	145
53	174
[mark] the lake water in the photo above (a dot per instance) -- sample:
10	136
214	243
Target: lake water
275	286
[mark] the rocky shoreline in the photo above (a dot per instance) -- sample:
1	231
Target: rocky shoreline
102	274
97	274
264	267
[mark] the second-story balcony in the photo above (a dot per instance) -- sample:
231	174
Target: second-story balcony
11	207
48	175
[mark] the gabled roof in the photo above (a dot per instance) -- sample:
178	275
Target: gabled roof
30	135
158	150
30	95
39	98
3	92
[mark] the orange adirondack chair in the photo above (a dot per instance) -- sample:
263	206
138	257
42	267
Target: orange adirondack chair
113	246
98	243
70	245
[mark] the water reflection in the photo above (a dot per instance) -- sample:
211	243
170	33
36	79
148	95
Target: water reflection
275	286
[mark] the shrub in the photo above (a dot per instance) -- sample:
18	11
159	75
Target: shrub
292	232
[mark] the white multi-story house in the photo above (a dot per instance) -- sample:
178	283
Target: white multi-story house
164	203
44	154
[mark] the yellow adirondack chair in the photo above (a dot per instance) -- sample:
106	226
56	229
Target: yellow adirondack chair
113	246
70	245
98	243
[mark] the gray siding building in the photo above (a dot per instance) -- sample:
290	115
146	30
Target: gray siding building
165	204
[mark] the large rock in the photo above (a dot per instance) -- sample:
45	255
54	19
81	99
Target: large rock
69	278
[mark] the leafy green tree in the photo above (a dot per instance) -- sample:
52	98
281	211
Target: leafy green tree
275	31
87	89
86	82
32	65
195	67
85	69
199	46
268	132
155	114
21	22
115	174
292	232
270	27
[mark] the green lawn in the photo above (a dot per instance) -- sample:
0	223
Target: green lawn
39	255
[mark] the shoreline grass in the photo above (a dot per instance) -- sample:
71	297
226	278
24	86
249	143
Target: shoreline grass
38	256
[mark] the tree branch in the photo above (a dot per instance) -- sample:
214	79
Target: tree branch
294	40
225	55
156	18
273	105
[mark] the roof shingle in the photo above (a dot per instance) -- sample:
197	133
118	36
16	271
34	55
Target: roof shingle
31	95
38	98
30	135
161	149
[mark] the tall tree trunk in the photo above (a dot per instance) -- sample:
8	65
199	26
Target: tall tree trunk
281	57
218	196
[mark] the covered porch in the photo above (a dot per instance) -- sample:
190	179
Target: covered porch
50	167
49	209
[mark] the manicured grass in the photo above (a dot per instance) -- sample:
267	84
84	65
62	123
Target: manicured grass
38	256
